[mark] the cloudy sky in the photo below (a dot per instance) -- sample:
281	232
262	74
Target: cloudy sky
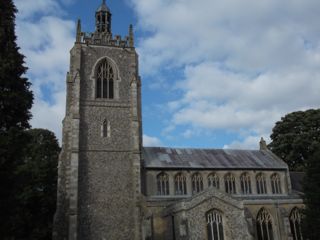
215	73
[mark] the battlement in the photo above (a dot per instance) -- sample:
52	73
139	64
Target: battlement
106	39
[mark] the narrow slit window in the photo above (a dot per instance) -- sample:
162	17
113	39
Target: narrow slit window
106	129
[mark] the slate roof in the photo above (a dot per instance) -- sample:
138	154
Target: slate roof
190	158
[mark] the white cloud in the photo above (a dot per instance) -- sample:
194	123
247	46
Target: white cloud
45	40
246	63
149	141
27	8
249	142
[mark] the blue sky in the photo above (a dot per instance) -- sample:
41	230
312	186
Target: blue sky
215	73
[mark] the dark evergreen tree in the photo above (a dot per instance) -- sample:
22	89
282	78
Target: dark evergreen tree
15	103
37	186
311	221
295	137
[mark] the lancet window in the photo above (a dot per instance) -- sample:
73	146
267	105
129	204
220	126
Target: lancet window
197	183
104	80
163	184
105	129
261	184
264	225
180	184
230	183
295	224
213	180
245	183
275	184
214	225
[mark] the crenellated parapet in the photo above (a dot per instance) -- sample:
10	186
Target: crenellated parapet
105	38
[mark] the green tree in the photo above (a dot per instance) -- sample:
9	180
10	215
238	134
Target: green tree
295	137
36	194
311	221
15	102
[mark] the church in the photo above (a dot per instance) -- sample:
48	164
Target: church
111	187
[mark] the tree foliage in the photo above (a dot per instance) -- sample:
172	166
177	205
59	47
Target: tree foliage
295	137
37	187
311	221
15	103
16	97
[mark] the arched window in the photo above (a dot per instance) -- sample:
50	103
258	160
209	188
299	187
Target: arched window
214	225
180	184
264	225
275	184
261	184
295	224
104	80
197	183
230	183
213	180
163	184
106	129
245	183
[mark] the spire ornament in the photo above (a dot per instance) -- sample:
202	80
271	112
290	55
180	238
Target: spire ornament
78	37
131	37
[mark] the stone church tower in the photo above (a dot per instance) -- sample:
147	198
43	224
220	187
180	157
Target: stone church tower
99	167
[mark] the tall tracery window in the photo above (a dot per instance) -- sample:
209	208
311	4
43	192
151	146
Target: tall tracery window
180	184
261	184
106	129
295	224
213	180
197	183
230	183
275	183
264	225
163	184
245	183
214	225
104	80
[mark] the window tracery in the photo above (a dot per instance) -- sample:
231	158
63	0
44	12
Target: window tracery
105	80
180	184
261	184
275	184
197	183
214	225
162	184
213	180
295	224
264	225
230	183
245	182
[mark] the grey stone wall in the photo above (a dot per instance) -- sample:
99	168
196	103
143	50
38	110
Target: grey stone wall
99	177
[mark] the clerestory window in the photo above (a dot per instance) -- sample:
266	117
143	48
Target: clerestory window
180	184
230	183
261	184
264	225
105	80
197	183
163	184
245	183
275	183
214	225
213	180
